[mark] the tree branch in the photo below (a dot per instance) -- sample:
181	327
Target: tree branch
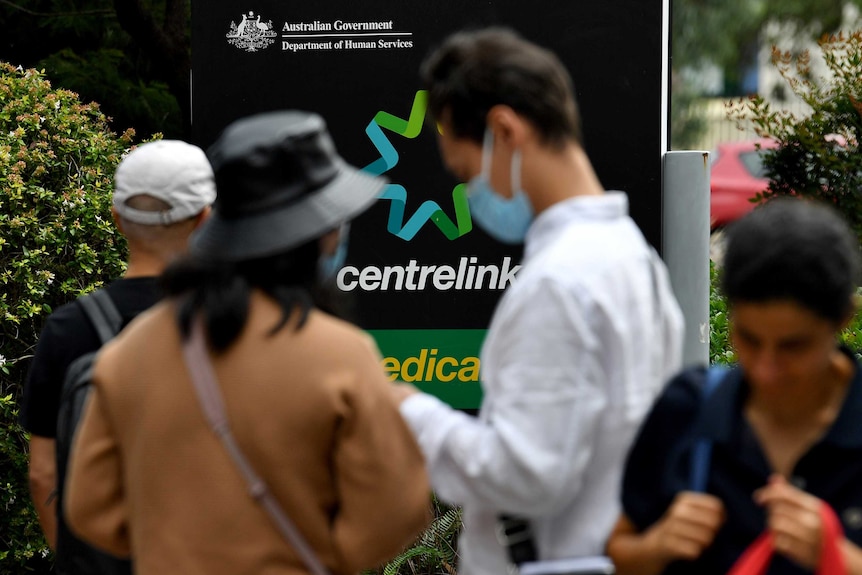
103	12
168	46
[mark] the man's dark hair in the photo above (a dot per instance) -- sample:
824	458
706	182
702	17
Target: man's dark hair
473	71
221	291
792	249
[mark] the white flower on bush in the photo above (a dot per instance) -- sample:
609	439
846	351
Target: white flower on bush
2	360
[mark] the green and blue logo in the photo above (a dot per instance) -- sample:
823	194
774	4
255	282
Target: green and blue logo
429	211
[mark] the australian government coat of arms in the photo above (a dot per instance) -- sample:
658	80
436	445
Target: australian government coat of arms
251	34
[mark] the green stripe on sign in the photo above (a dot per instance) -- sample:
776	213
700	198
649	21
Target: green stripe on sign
442	362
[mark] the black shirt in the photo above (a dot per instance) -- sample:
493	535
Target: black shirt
658	467
66	336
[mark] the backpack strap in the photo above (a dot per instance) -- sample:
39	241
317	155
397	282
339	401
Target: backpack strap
702	451
103	314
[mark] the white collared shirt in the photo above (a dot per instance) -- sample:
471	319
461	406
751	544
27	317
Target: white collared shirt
578	348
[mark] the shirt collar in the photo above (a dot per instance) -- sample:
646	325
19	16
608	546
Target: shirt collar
723	410
553	220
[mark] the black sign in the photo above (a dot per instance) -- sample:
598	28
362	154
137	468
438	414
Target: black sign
424	279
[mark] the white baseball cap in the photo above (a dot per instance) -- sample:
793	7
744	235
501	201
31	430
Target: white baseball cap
172	171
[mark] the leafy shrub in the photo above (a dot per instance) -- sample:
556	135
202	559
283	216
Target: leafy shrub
57	241
817	154
852	334
22	546
720	350
435	551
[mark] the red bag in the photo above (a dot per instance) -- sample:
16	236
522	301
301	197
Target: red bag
755	559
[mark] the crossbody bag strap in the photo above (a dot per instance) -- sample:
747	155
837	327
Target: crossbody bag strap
204	380
702	452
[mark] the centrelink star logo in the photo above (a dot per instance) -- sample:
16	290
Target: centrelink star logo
251	34
397	194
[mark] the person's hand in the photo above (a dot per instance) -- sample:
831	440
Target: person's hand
687	527
793	516
401	391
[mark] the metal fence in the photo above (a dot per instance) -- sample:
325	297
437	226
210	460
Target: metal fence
719	128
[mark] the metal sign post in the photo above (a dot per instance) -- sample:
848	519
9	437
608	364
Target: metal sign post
685	245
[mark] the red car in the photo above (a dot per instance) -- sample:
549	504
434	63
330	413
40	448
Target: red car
736	176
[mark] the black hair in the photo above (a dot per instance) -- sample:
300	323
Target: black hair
473	71
221	290
793	249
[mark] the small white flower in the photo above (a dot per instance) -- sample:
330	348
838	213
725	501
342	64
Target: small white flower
2	360
57	105
19	68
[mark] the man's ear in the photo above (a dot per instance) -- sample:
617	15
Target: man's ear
118	221
510	129
328	242
202	216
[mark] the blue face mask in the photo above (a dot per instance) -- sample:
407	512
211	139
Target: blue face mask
505	220
328	265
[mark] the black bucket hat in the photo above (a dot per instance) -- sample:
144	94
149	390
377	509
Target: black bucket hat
280	183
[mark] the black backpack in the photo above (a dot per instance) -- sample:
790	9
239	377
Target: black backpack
73	556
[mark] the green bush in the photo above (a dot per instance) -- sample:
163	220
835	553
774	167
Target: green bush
818	153
22	547
435	551
57	241
720	350
852	335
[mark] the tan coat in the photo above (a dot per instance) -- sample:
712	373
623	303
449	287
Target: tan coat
312	411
